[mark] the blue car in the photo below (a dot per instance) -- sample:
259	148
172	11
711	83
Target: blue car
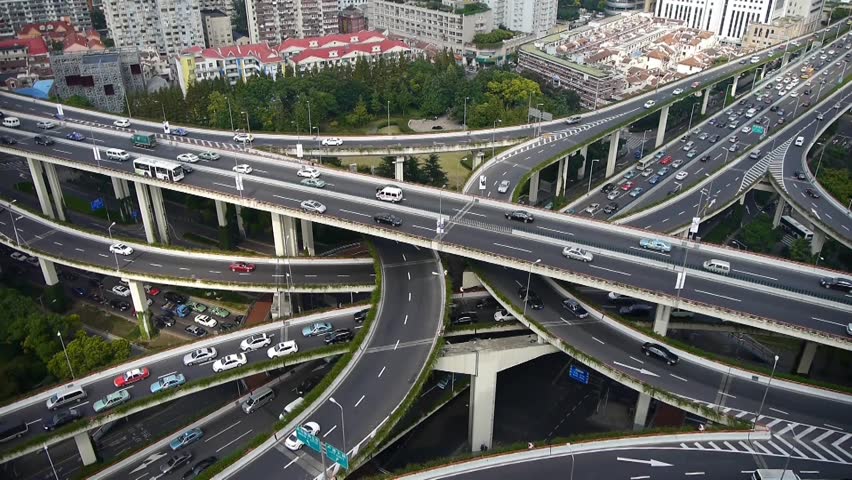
180	132
630	174
169	381
186	438
76	136
318	328
636	192
655	244
653	180
663	171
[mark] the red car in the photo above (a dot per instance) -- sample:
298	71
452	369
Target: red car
695	84
242	267
153	291
627	186
131	376
666	160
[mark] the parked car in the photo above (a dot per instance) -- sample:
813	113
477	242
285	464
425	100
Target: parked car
195	331
206	321
121	291
503	316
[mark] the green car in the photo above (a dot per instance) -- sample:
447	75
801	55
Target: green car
209	156
220	312
112	400
197	307
313	182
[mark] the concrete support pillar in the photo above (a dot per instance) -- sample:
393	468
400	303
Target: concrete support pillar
48	270
762	73
85	447
742	199
785	59
160	213
779	212
308	237
282	305
560	180
55	190
241	227
483	396
705	101
734	87
640	418
398	168
145	211
661	128
534	185
806	358
661	319
122	191
221	213
140	306
613	153
284	235
818	241
37	172
584	152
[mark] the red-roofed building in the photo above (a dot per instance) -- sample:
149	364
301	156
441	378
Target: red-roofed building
28	55
294	46
325	57
64	33
234	63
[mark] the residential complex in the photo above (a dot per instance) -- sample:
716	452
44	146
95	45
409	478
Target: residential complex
443	28
217	28
102	78
14	14
274	21
24	56
165	26
530	16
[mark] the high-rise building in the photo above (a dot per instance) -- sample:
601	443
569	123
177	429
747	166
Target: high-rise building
217	28
527	16
165	26
351	20
728	19
224	6
276	20
16	13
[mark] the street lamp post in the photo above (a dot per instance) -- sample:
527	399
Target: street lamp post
765	392
464	122
591	169
248	129
529	279
319	144
14	227
819	163
114	254
342	422
310	124
572	460
127	102
493	132
691	113
642	147
230	114
725	100
67	359
50	460
389	117
538	107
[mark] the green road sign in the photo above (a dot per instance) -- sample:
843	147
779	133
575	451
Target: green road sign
757	130
336	456
312	441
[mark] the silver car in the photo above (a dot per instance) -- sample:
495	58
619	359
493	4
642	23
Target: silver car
577	253
313	206
504	186
199	356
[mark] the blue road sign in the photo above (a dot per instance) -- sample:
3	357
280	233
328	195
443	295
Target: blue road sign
311	441
135	215
97	204
336	456
579	374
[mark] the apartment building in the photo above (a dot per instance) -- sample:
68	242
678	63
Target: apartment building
24	56
224	6
761	35
276	20
164	26
351	20
527	16
16	13
217	28
445	28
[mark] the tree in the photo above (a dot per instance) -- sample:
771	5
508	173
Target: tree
77	101
386	167
432	172
800	251
88	353
360	116
759	235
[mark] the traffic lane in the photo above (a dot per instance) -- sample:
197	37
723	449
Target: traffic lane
37	413
633	463
41	236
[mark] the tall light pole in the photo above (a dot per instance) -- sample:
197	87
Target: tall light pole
342	422
127	102
389	117
230	114
50	460
765	392
691	113
67	359
572	460
310	124
15	228
527	293
319	144
816	172
591	169
248	129
493	132
642	147
464	122
114	254
538	107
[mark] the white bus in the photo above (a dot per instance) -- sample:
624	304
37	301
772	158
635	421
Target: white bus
159	169
795	229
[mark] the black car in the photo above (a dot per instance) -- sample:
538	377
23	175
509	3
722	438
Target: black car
307	385
520	216
80	292
239	319
811	193
387	219
175	297
119	305
659	351
43	140
773	108
62	418
7	140
465	318
163	321
636	310
607	188
611	208
96	298
838	283
800	175
341	335
485	302
195	331
361	315
714	139
225	327
175	461
574	307
533	300
704	158
199	467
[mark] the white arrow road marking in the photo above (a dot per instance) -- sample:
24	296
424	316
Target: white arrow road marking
148	461
640	370
653	463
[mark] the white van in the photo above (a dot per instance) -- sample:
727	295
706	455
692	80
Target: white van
68	395
257	399
774	474
291	407
12	122
717	266
390	194
800	141
117	154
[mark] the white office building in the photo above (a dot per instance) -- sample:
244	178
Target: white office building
164	26
728	19
528	16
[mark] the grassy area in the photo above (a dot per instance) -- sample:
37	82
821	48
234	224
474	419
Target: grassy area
450	162
121	327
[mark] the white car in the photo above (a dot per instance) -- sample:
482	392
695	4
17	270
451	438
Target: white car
647	172
122	122
45	124
745	129
243	138
504	186
613	194
592	208
21	257
681	174
206	321
293	442
677	91
313	206
577	253
242	168
233	360
794	94
199	356
282	349
255	342
503	316
308	172
188	157
332	142
121	291
121	249
650	104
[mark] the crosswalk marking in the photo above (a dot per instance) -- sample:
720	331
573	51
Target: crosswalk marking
760	446
746	447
